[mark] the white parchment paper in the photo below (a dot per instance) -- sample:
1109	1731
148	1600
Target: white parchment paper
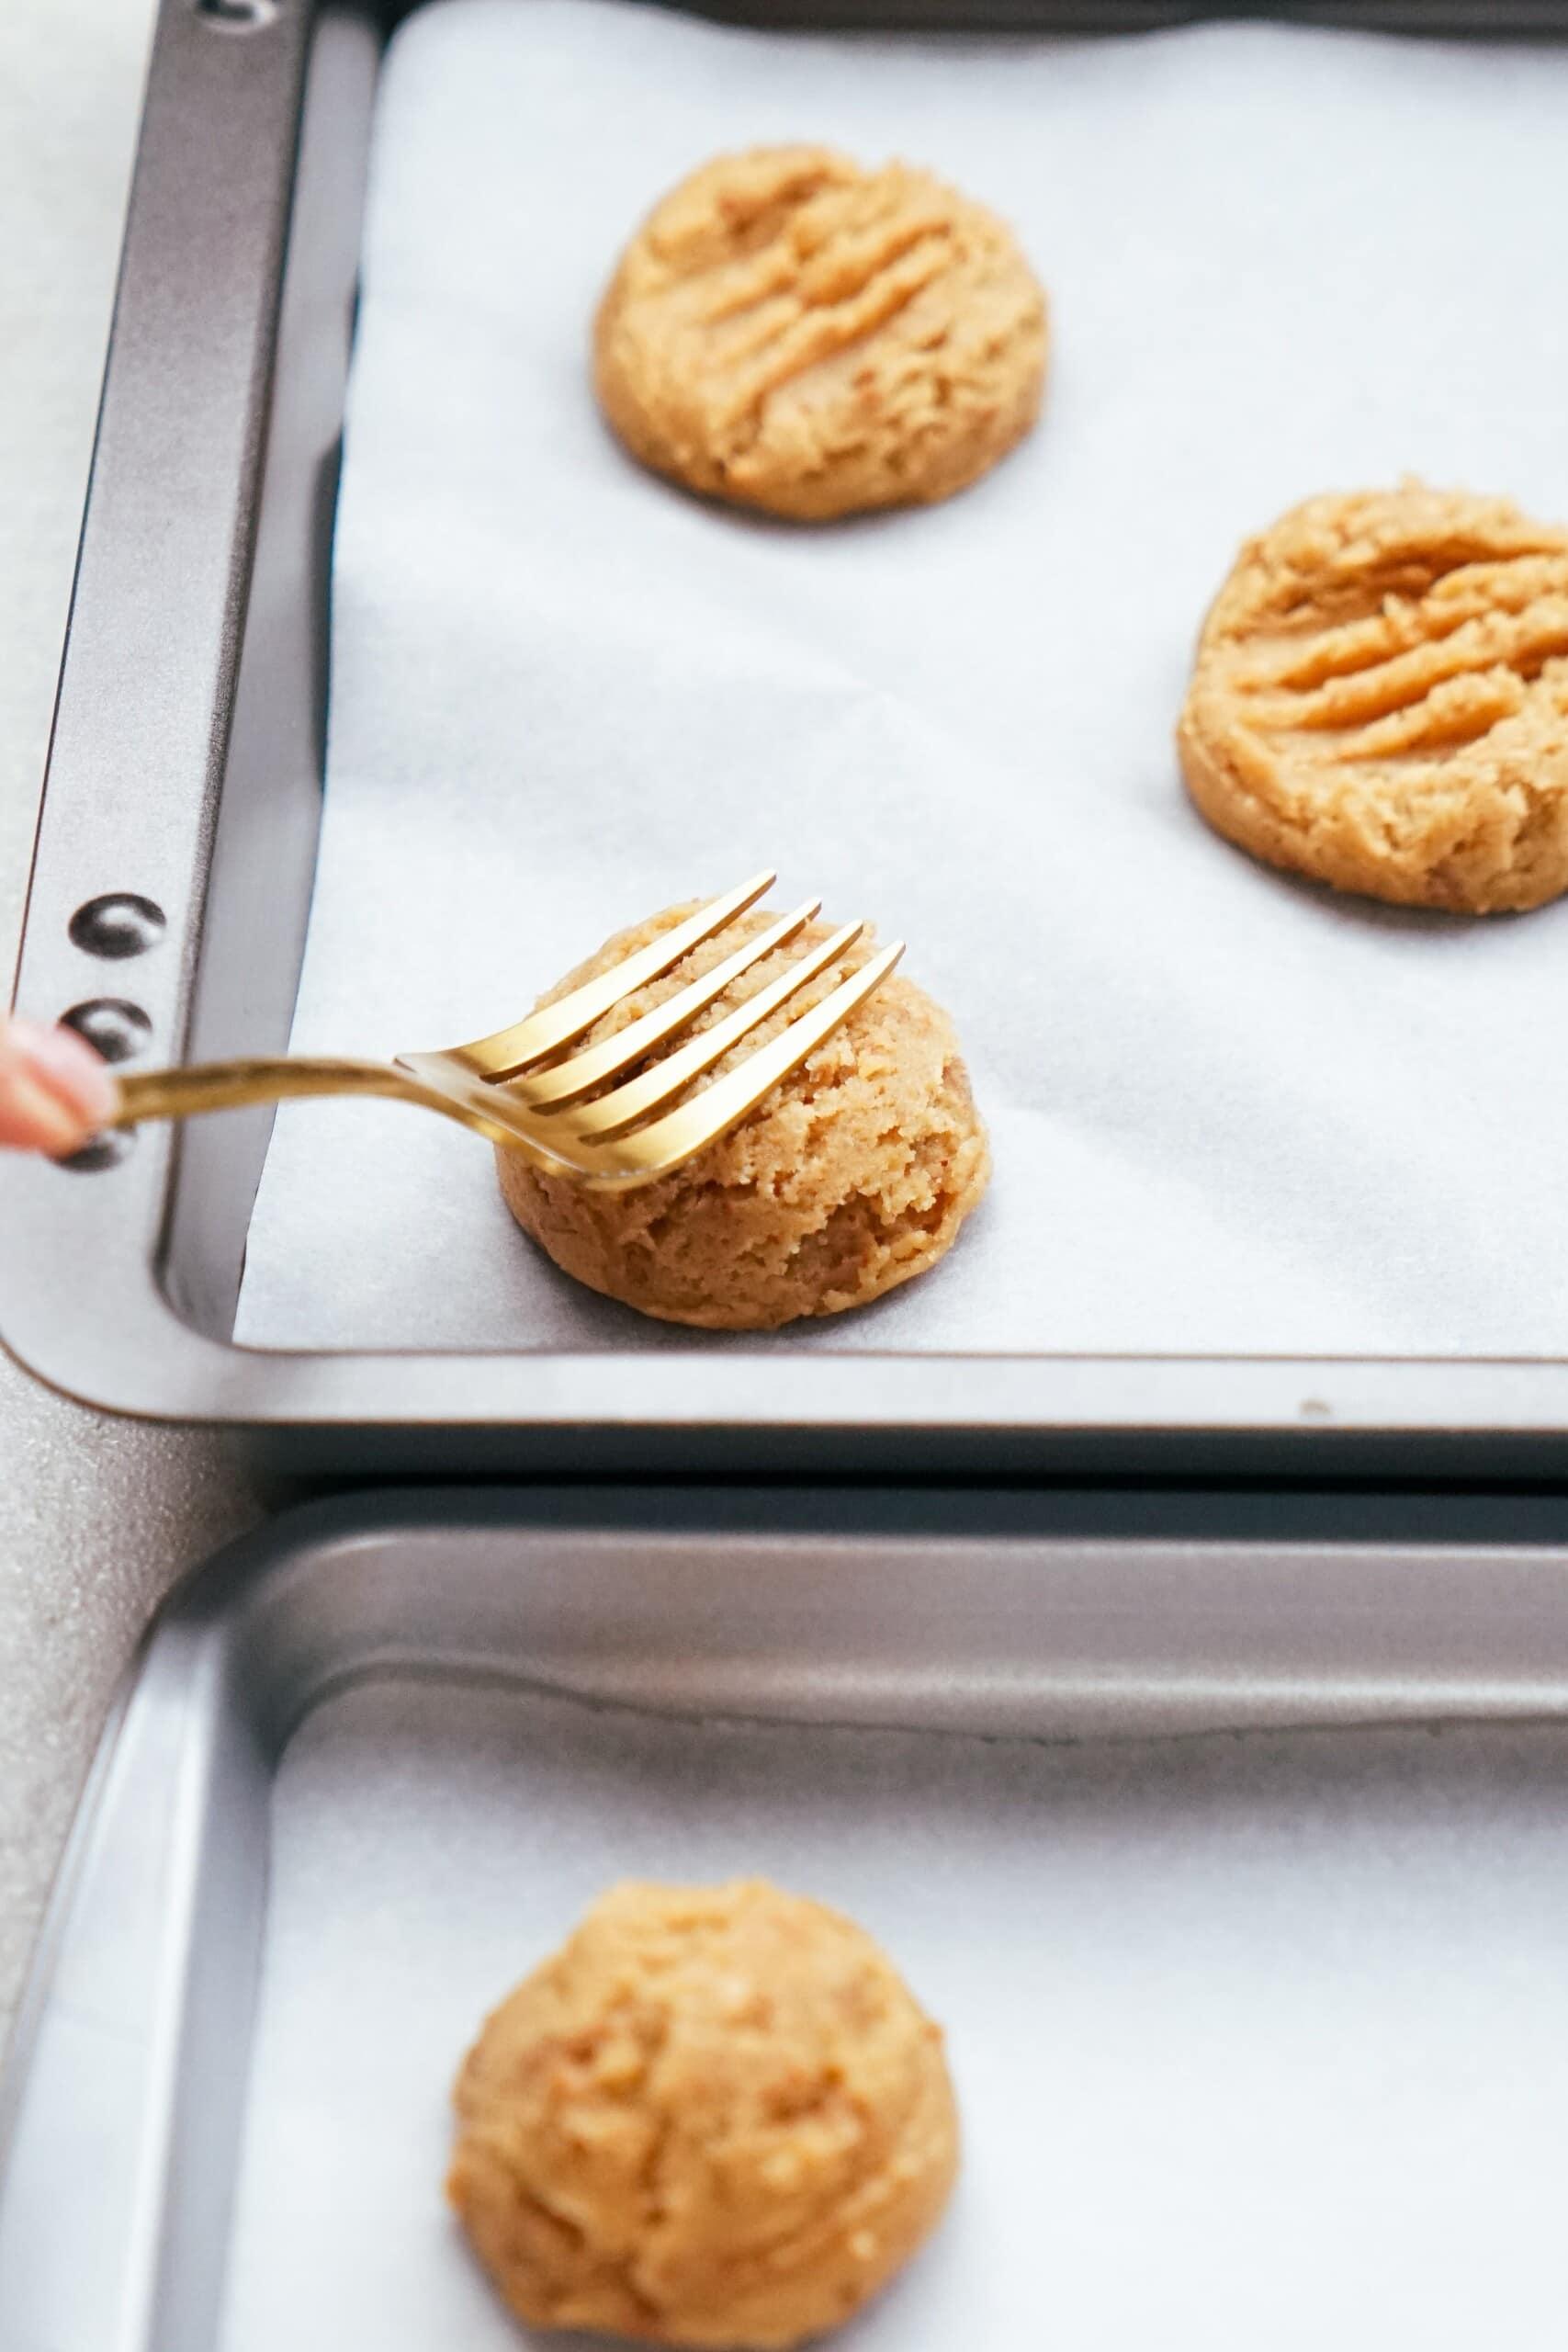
1258	2042
1230	1112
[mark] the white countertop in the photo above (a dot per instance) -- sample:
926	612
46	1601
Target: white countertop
97	1516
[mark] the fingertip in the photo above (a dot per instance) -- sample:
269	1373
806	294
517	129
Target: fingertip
33	1119
66	1067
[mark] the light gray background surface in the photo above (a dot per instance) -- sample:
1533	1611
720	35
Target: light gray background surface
97	1517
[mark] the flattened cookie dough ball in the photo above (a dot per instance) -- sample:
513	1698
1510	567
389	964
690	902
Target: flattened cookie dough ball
1381	700
852	1176
716	2116
790	332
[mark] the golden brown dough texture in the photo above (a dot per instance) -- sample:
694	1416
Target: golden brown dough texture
851	1177
1381	700
716	2116
789	330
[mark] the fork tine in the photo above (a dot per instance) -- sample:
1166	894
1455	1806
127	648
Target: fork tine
508	1051
584	1071
682	1133
665	1079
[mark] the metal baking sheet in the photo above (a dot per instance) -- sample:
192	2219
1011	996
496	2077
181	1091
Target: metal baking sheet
1234	1866
1221	1104
120	1285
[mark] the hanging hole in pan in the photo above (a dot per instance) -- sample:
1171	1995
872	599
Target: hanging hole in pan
102	1151
121	923
117	1030
237	16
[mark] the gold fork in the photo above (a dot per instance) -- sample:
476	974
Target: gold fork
496	1088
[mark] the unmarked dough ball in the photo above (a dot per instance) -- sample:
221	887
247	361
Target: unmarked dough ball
852	1176
789	330
1381	700
716	2116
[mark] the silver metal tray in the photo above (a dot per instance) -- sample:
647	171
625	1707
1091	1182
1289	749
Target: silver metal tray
178	836
1252	1973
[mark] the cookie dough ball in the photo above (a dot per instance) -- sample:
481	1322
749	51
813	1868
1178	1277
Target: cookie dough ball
789	330
716	2117
1381	700
853	1175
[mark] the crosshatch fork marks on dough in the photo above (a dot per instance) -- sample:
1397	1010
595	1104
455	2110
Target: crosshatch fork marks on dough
1449	650
1381	700
790	330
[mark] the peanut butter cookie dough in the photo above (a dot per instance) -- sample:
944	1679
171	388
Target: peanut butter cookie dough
852	1176
716	2117
790	332
1381	700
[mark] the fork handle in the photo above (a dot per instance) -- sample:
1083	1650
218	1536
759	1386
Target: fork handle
229	1086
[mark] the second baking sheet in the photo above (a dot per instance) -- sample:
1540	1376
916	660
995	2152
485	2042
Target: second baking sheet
1230	1113
1257	2039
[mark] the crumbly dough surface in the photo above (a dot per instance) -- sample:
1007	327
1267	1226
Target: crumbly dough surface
852	1176
1381	700
789	330
716	2117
